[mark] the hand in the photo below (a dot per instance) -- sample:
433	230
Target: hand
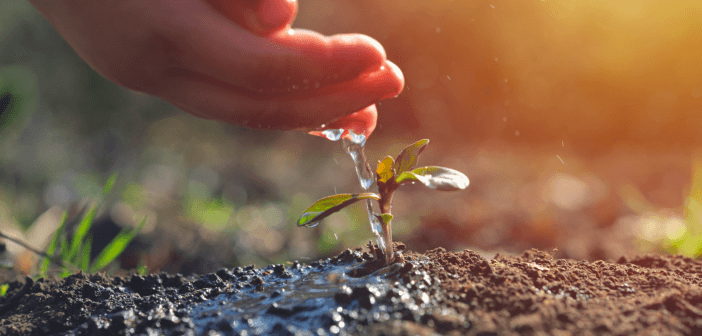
235	61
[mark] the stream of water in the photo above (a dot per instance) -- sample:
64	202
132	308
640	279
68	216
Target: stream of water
354	146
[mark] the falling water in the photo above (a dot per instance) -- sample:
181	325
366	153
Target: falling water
353	144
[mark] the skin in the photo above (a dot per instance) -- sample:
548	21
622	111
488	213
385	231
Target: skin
235	61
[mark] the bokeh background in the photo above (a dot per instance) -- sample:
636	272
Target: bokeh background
576	121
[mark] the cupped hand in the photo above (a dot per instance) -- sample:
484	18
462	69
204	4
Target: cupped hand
235	61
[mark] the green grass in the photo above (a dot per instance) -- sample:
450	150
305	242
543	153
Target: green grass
74	252
670	232
689	243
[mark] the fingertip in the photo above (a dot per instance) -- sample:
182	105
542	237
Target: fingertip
370	114
360	122
396	79
356	49
276	14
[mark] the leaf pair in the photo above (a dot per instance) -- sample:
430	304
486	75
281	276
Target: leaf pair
403	170
406	161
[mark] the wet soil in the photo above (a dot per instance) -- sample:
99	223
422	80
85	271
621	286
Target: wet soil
454	293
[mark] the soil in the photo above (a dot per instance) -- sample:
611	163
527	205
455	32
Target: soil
453	293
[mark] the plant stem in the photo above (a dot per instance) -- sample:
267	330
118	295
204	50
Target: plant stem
387	235
385	203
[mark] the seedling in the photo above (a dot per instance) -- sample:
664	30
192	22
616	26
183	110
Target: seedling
390	174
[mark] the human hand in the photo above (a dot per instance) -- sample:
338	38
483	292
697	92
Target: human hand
245	67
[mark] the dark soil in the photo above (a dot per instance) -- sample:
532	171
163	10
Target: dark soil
455	293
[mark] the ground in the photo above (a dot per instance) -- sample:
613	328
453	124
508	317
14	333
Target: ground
454	293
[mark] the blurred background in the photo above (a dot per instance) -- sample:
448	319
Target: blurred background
577	123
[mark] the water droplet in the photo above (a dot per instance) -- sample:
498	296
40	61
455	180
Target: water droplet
307	216
359	139
333	134
310	225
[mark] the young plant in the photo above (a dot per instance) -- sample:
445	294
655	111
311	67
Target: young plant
390	174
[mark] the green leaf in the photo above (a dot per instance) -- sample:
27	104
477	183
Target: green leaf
384	170
386	218
64	248
406	177
329	205
407	159
84	260
43	269
81	232
115	247
439	178
109	184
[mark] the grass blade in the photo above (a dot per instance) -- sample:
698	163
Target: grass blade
81	232
64	248
44	266
115	247
109	184
84	262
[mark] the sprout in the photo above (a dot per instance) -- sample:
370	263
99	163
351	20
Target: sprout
390	174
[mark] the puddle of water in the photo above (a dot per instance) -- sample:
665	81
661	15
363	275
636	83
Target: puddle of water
302	298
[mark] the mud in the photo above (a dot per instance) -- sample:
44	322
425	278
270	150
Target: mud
454	293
